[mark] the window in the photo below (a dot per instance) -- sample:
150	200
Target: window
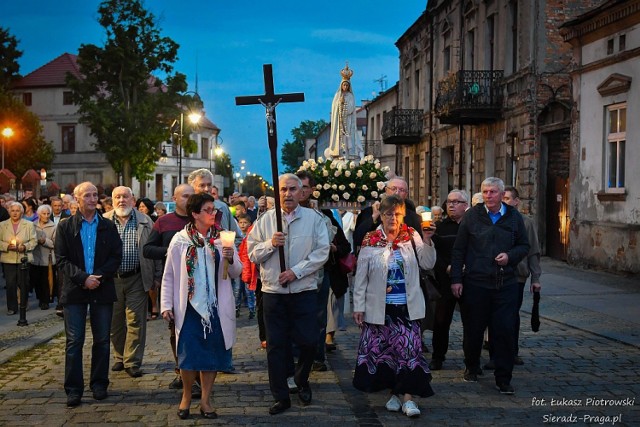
609	46
616	135
26	99
446	57
622	43
205	149
68	138
67	98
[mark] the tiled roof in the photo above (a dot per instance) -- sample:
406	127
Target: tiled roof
51	74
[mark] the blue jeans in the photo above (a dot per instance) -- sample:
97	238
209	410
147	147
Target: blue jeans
75	319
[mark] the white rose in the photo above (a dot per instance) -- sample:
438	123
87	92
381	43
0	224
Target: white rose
372	175
316	194
313	167
380	185
365	188
347	173
374	194
361	199
337	173
334	187
320	160
319	187
335	197
333	164
326	186
352	185
305	164
386	169
359	174
362	161
341	188
325	172
352	165
346	196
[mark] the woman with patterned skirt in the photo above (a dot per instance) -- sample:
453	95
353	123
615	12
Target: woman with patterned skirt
388	307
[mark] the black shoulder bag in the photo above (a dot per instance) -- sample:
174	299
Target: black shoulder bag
429	288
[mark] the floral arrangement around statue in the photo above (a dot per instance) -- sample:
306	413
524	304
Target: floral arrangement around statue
344	183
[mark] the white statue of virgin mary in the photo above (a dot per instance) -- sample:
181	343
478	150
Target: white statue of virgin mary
345	140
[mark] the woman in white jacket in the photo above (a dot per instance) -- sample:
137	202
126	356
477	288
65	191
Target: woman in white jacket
388	305
200	301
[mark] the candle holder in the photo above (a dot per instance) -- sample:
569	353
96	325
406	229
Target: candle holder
227	238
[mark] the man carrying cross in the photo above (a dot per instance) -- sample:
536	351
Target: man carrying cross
289	297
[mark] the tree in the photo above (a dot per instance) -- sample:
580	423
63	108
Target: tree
27	148
293	151
128	108
223	167
9	55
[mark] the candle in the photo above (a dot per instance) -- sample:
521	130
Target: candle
13	242
426	219
227	238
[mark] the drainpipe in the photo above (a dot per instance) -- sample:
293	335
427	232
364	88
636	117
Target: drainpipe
430	22
461	68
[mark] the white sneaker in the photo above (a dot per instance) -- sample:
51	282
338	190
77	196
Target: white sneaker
291	383
410	409
394	404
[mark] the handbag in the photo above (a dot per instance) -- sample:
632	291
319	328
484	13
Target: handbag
428	282
347	264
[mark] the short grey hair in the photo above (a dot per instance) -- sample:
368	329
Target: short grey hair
463	194
43	208
12	204
287	176
493	181
79	187
199	173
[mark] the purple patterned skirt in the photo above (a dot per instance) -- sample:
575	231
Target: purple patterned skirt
390	356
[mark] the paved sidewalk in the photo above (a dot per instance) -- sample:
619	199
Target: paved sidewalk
584	362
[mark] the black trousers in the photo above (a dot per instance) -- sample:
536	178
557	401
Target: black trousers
496	309
290	318
39	276
443	317
262	334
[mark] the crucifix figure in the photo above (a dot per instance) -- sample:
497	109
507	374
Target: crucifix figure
270	101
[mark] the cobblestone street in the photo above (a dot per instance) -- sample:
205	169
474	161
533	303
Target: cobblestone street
571	375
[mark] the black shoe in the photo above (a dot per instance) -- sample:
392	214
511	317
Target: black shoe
176	384
196	390
11	312
59	312
490	365
319	367
469	376
100	394
252	315
237	313
280	406
304	395
117	367
73	401
435	365
518	361
505	388
134	372
44	306
183	414
209	415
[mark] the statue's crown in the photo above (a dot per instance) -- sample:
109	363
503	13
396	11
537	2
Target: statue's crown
346	73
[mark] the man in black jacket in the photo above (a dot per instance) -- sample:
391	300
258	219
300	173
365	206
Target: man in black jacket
88	252
491	241
446	232
369	218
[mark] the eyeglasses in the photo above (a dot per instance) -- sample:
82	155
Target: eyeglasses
398	189
210	211
390	215
455	202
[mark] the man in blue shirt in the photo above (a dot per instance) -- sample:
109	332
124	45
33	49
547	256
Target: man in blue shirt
89	251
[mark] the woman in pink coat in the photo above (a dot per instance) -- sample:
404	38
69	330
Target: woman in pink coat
200	302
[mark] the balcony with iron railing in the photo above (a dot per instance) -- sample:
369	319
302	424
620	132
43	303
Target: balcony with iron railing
470	97
402	127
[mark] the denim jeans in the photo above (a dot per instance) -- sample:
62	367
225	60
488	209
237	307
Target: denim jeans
75	318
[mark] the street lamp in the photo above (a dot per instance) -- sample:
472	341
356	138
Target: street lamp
6	133
194	117
43	181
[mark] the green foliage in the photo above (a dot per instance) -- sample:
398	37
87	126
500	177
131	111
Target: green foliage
9	55
127	107
27	148
293	151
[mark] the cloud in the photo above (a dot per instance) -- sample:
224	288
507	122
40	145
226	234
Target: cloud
343	35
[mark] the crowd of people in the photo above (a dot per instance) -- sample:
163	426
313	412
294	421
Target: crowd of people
123	261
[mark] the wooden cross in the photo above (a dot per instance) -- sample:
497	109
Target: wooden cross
270	101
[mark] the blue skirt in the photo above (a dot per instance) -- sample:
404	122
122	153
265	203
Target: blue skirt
200	352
